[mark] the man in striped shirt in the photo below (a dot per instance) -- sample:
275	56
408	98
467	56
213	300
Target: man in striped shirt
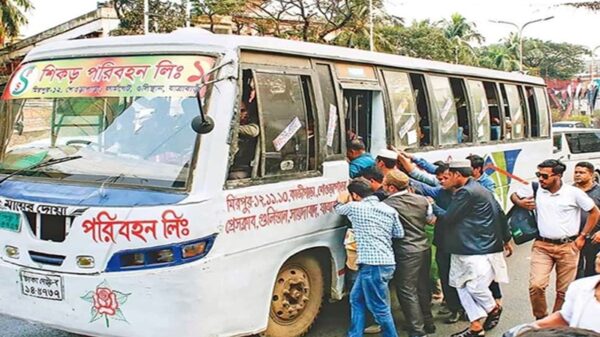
374	224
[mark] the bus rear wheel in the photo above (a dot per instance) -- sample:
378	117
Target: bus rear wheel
296	299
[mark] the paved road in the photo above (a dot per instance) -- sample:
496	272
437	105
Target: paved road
333	320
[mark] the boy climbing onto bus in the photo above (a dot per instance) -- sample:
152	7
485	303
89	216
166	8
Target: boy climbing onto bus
374	224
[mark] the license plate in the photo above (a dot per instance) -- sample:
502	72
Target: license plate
10	221
44	286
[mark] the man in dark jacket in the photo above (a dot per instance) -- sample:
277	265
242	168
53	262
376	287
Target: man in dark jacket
412	254
477	235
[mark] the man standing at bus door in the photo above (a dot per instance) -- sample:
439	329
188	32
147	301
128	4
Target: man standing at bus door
477	236
413	254
558	207
359	159
584	179
374	224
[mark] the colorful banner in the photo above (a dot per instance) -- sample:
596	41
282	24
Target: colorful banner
110	77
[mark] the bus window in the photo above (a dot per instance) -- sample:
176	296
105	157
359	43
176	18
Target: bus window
284	123
533	112
445	111
525	109
543	114
462	108
330	108
491	93
404	110
515	128
420	90
481	112
358	115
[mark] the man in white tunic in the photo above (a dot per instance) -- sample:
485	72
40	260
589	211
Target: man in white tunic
477	236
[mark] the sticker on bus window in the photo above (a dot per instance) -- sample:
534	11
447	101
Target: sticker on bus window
446	108
287	134
412	137
332	125
407	126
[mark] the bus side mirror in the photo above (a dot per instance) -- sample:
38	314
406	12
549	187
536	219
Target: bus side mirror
203	124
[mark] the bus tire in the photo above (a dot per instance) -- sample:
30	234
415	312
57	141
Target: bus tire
297	297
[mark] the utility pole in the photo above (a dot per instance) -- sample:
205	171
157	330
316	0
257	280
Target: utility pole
371	43
146	13
520	36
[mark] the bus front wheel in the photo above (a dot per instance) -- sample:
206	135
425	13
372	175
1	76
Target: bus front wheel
297	297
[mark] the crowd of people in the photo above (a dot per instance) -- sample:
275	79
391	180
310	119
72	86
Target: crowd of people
410	217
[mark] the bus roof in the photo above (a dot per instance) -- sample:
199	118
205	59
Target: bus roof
193	40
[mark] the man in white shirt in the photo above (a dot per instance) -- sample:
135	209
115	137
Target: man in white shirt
558	207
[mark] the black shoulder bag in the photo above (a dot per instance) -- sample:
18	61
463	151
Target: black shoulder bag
522	222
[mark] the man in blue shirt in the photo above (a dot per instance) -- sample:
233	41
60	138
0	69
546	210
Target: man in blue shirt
479	173
374	224
359	159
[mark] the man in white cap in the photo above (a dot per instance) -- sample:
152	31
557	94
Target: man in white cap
477	235
386	160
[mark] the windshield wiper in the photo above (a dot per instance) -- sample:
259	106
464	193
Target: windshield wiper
40	165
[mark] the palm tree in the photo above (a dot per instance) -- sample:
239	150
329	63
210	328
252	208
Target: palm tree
461	33
498	57
12	17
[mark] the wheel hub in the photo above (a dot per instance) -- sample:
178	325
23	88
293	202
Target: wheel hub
290	295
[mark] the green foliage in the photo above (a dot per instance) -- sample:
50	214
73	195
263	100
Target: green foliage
553	59
12	17
587	120
461	33
165	16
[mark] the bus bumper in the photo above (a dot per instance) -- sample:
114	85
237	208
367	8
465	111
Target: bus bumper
180	301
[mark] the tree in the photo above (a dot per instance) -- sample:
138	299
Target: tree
12	17
214	8
591	5
311	20
461	34
553	59
421	39
498	57
164	16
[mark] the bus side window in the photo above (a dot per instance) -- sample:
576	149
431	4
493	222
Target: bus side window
481	112
444	116
491	93
330	108
284	107
462	109
425	125
543	112
514	119
525	109
534	122
404	109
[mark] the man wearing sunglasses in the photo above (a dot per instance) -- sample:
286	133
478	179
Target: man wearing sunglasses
558	208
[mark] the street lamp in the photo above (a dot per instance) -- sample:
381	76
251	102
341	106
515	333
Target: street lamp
520	31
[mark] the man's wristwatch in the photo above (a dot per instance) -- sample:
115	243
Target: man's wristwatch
586	236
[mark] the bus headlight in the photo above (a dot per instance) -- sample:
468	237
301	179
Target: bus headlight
12	252
85	261
162	256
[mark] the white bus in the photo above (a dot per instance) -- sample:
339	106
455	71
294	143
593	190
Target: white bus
118	219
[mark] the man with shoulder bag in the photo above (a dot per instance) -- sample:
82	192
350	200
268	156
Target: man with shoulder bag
558	207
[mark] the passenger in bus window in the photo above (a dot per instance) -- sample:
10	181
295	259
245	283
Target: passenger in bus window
359	158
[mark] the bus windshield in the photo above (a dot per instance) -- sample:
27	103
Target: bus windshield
127	130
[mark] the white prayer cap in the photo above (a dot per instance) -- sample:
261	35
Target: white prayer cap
460	164
389	154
